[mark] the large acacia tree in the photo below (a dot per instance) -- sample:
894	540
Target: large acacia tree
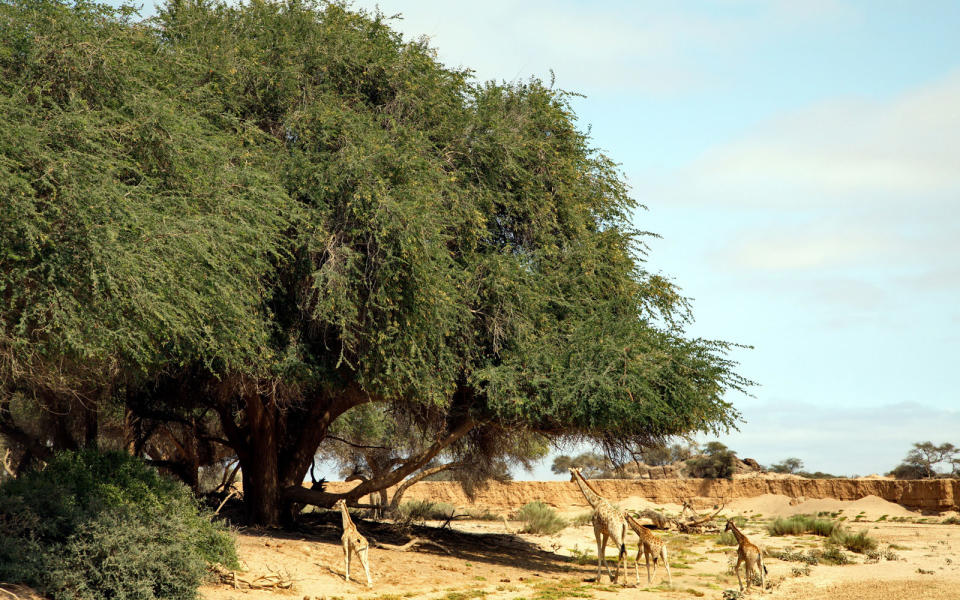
278	212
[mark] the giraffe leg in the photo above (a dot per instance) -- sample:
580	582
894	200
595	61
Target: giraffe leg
622	552
365	561
763	580
603	557
346	558
666	563
636	563
737	569
601	548
646	556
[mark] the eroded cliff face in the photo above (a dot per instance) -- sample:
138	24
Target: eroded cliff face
930	495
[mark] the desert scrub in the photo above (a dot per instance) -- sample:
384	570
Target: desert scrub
861	543
540	518
424	510
833	556
726	539
787	555
801	524
585	518
94	525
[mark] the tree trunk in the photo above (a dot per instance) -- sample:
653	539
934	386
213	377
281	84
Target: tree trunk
261	482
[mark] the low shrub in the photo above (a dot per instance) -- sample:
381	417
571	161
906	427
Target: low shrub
424	510
726	539
861	543
787	555
94	525
540	518
833	556
802	524
582	519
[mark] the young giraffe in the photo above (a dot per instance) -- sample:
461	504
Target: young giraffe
651	545
353	542
749	553
608	522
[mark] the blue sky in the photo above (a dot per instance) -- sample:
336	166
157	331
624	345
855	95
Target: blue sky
801	161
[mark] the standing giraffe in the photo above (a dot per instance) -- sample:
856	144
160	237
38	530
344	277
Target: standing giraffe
749	553
353	542
607	522
651	545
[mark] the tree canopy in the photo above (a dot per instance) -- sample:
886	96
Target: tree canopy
249	219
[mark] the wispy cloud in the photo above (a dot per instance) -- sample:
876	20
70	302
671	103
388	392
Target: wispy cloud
841	153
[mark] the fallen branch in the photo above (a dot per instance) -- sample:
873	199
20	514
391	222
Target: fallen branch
271	581
412	543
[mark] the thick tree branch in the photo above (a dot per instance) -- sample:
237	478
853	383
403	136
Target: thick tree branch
302	495
403	487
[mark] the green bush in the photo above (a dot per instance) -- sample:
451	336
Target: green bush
424	510
801	524
582	519
97	525
540	518
727	539
861	543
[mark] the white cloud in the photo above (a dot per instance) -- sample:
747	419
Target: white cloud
841	153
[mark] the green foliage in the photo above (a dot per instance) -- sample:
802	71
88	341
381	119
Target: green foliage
833	556
584	518
424	510
717	462
860	542
726	539
788	465
786	555
104	525
540	518
594	465
290	197
660	455
803	524
921	462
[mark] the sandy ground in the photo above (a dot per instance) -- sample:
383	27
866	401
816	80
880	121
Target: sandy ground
486	562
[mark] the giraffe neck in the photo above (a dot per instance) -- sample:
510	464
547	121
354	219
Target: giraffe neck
737	534
347	521
592	497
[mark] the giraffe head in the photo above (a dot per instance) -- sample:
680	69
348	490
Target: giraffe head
730	526
340	504
573	474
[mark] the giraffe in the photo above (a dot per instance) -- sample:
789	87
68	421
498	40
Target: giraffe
749	553
608	522
651	545
353	542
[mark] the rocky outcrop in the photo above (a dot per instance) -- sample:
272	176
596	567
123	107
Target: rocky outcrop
928	495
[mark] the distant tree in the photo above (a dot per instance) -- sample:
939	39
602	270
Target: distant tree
921	461
717	462
594	465
667	455
788	465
